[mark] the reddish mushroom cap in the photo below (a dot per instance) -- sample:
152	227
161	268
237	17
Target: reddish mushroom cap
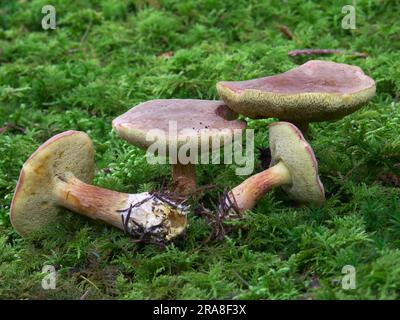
194	119
314	91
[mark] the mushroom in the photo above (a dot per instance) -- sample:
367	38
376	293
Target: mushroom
293	167
315	91
194	121
57	176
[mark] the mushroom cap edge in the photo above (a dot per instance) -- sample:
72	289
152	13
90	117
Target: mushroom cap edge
289	146
33	205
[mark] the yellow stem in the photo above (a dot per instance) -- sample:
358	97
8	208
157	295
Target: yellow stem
246	195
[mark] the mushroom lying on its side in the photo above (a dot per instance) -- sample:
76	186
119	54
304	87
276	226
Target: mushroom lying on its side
315	91
293	167
56	176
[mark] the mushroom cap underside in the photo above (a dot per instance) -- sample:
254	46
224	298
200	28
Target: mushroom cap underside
288	145
193	120
34	206
315	91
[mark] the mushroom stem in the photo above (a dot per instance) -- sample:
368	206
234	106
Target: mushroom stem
184	178
91	201
246	195
112	207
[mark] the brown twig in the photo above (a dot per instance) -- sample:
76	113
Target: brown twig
226	208
286	31
306	52
8	126
162	197
128	216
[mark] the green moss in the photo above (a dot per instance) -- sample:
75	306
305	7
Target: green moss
104	57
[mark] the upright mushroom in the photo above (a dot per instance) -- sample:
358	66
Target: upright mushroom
293	167
314	91
57	175
195	120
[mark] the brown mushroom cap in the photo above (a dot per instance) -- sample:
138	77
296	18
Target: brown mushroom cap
33	206
288	145
205	118
315	91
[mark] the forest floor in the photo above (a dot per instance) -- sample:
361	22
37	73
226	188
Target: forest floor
106	56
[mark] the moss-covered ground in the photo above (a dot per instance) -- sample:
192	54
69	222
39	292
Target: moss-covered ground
106	56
